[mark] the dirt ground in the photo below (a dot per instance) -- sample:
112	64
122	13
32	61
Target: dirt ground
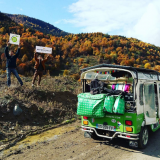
63	143
70	144
40	107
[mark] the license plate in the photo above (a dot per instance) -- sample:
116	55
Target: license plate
105	127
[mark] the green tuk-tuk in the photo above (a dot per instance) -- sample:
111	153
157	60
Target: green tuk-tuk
135	91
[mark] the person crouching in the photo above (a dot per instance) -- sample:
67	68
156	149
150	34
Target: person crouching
39	68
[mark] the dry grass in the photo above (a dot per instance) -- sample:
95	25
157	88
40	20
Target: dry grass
52	103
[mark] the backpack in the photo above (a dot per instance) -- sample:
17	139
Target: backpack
96	86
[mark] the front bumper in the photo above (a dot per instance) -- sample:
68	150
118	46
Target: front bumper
116	134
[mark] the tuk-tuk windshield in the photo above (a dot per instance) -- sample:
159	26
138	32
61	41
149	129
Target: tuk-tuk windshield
112	75
93	75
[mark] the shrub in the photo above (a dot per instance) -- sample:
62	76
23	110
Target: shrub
24	58
66	72
76	76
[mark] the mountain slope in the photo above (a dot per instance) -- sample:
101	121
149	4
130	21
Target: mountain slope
6	22
37	24
75	51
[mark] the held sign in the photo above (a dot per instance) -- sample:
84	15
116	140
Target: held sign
41	49
14	39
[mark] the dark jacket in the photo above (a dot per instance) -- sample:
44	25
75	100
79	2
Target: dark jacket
11	60
37	62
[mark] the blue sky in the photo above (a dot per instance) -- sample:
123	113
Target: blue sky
139	18
50	11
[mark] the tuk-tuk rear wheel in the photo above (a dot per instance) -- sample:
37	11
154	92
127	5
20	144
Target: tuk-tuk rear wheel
143	137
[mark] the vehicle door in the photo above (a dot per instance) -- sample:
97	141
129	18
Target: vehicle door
158	95
149	102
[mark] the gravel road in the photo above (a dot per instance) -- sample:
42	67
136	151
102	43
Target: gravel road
73	146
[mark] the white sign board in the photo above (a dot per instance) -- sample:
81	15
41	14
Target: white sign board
14	39
41	49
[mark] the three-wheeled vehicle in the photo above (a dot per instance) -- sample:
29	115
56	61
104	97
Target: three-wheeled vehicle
138	88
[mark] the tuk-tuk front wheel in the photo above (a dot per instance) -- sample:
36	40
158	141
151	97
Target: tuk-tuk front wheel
143	137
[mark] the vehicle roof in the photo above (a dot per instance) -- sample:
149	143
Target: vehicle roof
119	66
129	68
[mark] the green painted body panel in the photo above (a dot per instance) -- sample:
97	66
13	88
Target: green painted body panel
118	121
155	127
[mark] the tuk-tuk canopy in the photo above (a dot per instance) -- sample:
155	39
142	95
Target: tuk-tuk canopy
106	71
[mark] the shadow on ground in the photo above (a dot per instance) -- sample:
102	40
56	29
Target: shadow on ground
152	148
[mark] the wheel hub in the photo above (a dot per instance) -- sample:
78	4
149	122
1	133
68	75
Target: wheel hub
145	136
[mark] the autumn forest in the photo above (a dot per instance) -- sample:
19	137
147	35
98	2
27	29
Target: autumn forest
75	51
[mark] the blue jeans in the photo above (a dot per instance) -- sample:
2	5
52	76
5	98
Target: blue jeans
14	71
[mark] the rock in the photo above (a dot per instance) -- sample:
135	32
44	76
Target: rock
55	137
17	110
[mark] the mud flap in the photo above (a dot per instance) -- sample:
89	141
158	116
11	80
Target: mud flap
90	135
133	144
87	134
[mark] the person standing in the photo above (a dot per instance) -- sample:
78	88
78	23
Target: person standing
11	64
39	68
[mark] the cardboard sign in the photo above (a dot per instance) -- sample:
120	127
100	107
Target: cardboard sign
14	39
41	49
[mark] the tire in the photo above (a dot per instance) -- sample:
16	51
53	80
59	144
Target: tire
143	138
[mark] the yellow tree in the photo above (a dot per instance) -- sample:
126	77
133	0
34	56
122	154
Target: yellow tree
157	68
147	66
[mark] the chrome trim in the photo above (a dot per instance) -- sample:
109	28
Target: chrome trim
128	138
118	134
87	130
